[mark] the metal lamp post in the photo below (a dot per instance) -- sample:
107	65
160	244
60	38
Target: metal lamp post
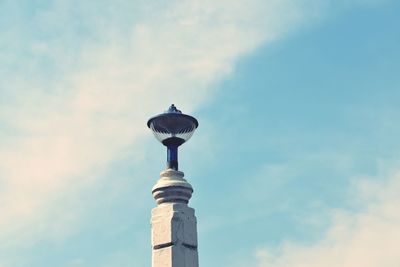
172	129
174	230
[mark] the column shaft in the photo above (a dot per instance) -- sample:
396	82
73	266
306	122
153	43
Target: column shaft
174	230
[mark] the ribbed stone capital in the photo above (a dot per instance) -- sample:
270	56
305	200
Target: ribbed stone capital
172	188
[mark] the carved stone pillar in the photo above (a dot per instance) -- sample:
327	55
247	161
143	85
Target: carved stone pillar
174	230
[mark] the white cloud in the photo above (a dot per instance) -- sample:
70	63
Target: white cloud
369	238
104	89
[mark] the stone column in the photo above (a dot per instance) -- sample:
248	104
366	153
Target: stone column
174	231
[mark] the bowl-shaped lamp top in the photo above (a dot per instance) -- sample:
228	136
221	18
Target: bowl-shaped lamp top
172	128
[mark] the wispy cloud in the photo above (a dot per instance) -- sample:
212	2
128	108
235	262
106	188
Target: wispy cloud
81	88
369	237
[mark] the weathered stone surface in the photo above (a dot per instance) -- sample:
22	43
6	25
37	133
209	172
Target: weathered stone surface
174	230
175	256
174	223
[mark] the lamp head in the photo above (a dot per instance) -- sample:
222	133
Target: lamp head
172	128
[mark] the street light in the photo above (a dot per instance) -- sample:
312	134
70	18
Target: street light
172	128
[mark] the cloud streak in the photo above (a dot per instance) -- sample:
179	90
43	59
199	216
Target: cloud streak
369	237
92	85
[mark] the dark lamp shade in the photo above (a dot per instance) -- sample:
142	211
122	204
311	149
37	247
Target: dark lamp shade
172	128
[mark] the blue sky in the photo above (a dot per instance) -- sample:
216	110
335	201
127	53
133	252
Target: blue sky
295	162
